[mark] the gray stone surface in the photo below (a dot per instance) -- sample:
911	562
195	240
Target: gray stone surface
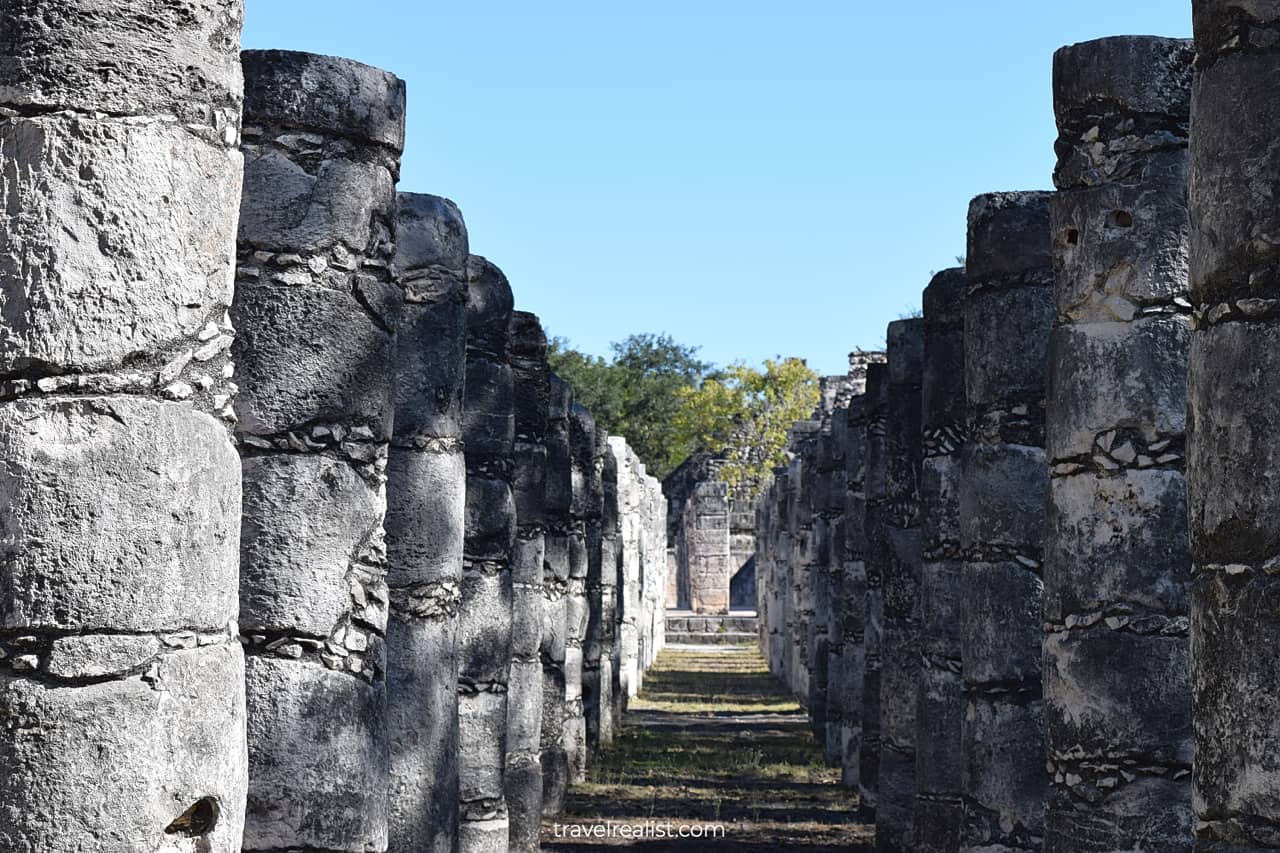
875	489
485	621
1004	485
121	676
1232	424
939	810
426	495
901	668
315	305
582	437
532	382
704	541
1117	566
555	592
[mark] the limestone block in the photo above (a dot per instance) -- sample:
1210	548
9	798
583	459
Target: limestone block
332	798
141	761
307	520
1004	772
98	275
163	558
1004	645
426	518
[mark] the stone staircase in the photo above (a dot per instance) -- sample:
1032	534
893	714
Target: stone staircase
687	628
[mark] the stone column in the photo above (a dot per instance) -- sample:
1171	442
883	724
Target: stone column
939	810
1233	424
1117	567
314	307
875	513
706	537
1008	314
780	550
800	526
484	629
582	438
532	383
629	571
834	496
603	709
901	668
853	590
426	503
555	595
815	480
121	678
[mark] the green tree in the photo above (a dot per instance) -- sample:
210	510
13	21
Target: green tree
636	393
744	414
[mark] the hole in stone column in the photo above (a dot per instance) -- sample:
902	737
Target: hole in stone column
1122	219
198	820
1073	236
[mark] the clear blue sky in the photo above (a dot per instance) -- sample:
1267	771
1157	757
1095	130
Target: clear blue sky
753	178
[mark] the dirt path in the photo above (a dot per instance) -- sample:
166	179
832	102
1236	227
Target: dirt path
714	744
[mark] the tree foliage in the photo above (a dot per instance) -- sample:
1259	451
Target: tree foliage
743	414
669	403
636	393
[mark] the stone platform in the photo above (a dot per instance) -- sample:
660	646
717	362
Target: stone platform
687	628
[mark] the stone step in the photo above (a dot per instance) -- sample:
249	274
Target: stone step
688	623
721	638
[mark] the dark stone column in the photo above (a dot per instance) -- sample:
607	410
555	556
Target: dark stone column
835	495
939	811
900	581
426	503
532	383
315	305
484	631
853	591
555	593
122	721
875	523
1117	564
1233	423
1005	481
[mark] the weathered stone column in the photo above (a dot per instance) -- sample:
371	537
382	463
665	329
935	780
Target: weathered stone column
853	590
655	561
532	383
815	479
426	505
555	595
803	438
1233	422
484	630
629	562
314	307
780	550
706	537
121	678
603	718
1005	480
939	810
835	500
901	668
1117	564
582	438
875	488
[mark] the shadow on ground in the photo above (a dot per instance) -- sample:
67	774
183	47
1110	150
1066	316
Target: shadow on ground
714	755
